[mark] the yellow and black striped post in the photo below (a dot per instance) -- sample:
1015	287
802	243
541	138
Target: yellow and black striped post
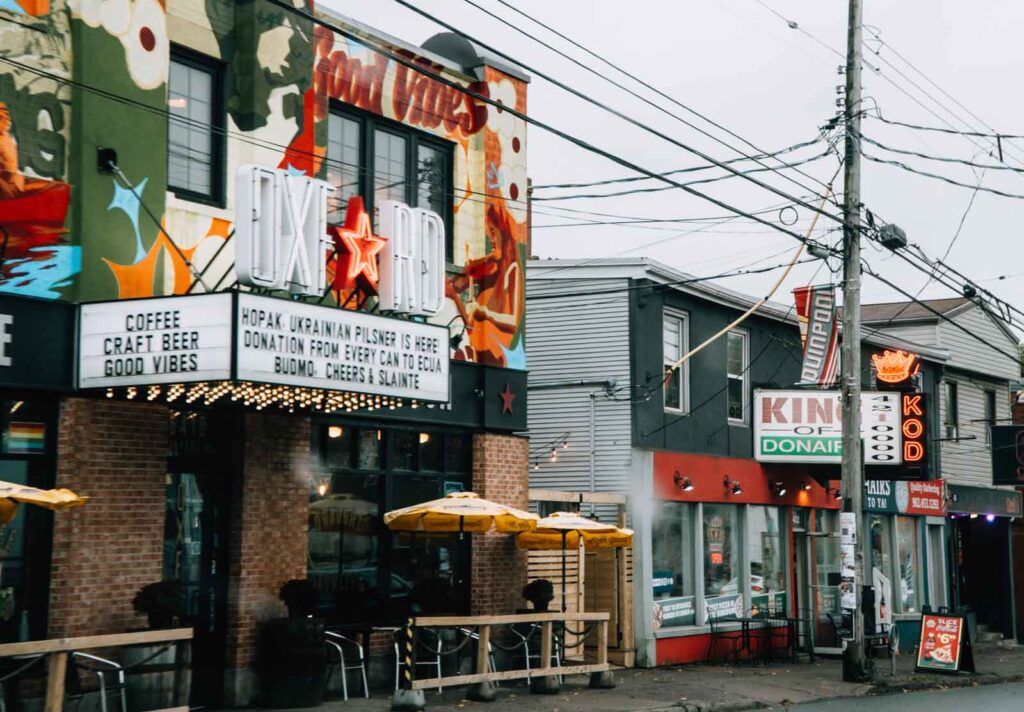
408	654
405	698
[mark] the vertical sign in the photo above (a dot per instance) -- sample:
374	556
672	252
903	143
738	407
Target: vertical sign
915	433
816	311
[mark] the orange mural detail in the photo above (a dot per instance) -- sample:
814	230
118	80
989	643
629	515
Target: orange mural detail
138	280
35	8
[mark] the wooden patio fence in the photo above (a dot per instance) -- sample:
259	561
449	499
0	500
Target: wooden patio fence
59	649
483	626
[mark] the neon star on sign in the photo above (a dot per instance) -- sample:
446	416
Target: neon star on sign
357	249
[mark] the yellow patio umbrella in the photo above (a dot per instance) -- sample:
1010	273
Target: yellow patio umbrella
564	529
460	512
12	494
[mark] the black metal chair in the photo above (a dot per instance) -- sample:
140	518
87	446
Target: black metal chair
733	640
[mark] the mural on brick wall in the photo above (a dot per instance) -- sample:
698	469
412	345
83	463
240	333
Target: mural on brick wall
37	257
282	75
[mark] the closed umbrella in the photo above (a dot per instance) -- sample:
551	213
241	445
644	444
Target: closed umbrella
13	494
564	529
460	512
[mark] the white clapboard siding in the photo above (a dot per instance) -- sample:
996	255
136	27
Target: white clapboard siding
969	353
923	334
969	462
573	339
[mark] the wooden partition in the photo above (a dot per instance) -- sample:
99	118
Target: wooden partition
59	649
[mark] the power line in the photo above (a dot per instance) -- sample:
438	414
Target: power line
691	169
635	191
946	179
636	79
939	129
590	100
943	159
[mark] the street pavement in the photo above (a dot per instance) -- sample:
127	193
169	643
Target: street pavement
993	698
720	688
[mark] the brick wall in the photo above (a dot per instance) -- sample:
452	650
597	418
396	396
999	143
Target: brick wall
103	553
501	474
269	537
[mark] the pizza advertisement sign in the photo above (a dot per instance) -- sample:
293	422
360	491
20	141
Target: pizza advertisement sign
944	645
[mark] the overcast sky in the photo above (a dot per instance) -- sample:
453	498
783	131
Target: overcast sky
739	64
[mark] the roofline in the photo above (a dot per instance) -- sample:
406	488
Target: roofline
659	272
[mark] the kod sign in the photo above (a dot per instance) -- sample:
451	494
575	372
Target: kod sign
283	242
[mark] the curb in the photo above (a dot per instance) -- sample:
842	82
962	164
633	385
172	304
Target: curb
737	706
916	685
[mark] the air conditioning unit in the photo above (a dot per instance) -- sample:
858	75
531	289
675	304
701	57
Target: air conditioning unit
892	236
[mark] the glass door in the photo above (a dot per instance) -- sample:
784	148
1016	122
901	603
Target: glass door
824	578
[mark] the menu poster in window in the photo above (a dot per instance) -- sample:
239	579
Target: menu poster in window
716	540
847	569
669	612
944	646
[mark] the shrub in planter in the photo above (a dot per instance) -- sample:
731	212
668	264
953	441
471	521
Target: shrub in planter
299	596
293	653
162	603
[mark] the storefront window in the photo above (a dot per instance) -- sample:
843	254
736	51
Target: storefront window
363	571
672	550
721	561
767	565
906	541
826	579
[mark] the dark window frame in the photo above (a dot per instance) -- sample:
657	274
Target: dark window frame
991	417
218	146
369	123
743	377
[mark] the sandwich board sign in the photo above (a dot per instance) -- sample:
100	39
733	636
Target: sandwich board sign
945	644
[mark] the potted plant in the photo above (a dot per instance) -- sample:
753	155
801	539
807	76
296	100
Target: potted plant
162	603
293	651
153	685
299	596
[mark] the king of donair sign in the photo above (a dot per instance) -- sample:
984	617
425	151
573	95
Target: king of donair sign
245	337
806	426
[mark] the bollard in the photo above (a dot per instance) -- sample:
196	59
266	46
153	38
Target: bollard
405	698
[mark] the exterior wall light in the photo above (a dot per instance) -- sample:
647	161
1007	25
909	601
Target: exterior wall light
780	489
734	485
683	483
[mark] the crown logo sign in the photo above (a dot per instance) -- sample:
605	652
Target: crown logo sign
895	366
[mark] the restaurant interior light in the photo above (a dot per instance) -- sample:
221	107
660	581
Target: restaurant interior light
974	515
322	489
990	518
424	438
335	431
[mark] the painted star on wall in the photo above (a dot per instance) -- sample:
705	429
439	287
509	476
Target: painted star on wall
357	249
507	396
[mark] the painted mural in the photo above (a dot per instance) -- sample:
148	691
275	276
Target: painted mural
281	74
37	254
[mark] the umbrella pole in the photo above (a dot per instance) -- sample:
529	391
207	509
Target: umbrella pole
563	570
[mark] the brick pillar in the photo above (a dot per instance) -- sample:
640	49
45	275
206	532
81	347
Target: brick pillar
103	553
501	474
269	538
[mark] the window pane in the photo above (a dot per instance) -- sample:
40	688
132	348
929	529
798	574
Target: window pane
767	566
343	546
881	546
736	398
673	398
826	580
672	563
402	454
339	446
459	458
368	457
432	171
735	363
721	562
344	158
906	540
431	451
389	167
191	150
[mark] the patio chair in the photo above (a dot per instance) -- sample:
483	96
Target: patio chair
435	658
491	665
109	674
11	668
733	640
338	643
534	653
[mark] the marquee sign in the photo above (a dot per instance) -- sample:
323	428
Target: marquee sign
806	426
283	242
245	337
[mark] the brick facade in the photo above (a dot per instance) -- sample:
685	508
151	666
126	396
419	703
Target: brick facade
500	473
269	537
115	453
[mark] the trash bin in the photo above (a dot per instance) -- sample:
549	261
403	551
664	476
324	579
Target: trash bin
293	662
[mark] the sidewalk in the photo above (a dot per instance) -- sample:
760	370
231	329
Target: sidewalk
703	688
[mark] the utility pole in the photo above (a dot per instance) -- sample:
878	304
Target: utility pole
854	659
